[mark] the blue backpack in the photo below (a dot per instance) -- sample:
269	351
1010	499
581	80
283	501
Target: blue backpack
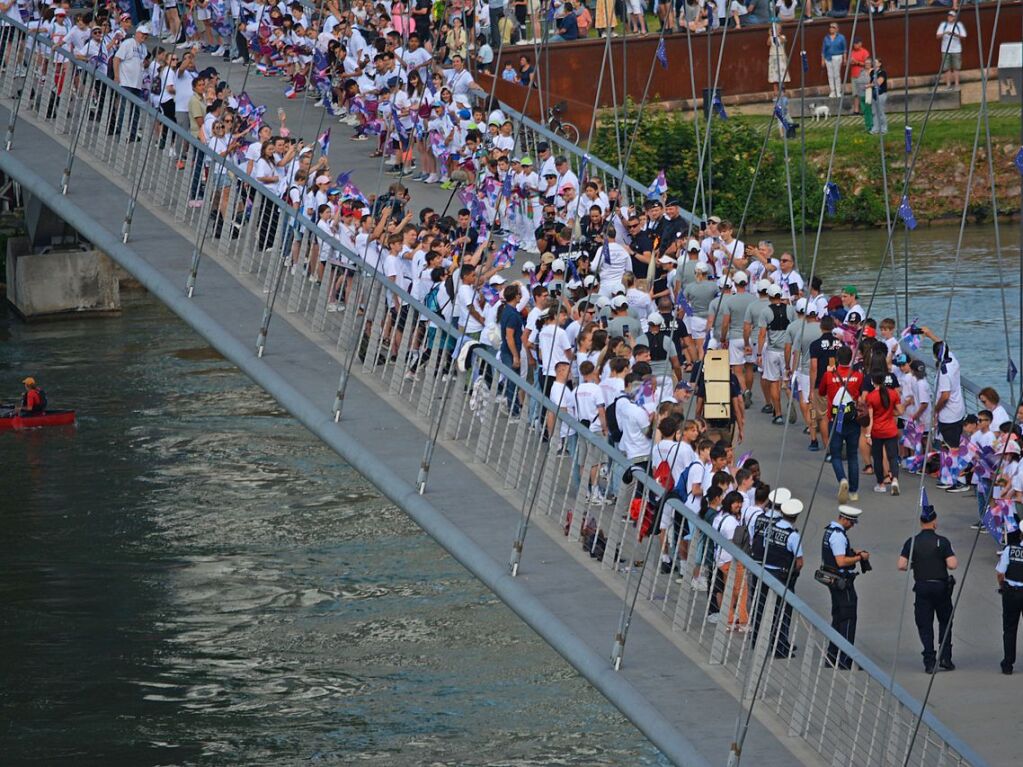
682	486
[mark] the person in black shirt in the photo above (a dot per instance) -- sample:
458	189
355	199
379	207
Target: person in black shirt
544	233
822	356
465	238
644	246
931	557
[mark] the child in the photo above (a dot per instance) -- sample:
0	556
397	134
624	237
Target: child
888	336
508	74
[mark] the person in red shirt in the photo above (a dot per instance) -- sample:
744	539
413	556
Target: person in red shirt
840	386
883	431
33	402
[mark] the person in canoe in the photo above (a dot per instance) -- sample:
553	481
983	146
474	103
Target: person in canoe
33	401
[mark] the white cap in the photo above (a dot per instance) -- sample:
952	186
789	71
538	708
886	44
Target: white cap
811	311
740	277
763	285
779	495
558	265
702	268
618	302
529	266
573	284
793	507
724	282
1012	447
497	279
589	280
667	260
801	306
143	28
693	245
602	302
655	318
774	291
849	512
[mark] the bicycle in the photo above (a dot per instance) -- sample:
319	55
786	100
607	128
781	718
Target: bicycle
560	127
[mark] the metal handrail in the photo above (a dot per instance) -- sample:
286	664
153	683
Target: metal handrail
559	487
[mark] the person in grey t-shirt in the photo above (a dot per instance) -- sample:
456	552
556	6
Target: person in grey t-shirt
699	294
801	335
622	324
733	319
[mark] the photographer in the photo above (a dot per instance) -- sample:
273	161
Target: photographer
838	573
396	198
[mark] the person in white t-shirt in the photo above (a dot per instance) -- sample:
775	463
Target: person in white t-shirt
950	406
612	262
128	66
951	33
634	421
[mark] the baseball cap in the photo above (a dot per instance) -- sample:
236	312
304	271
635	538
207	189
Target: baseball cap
565	188
900	359
851	290
143	28
702	268
655	318
573	284
558	265
740	278
589	280
801	306
714	219
322	180
693	245
618	302
527	161
529	266
763	285
30	381
853	317
723	282
1012	447
774	291
63	12
667	260
497	279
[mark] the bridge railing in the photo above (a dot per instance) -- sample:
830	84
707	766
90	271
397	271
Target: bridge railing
405	351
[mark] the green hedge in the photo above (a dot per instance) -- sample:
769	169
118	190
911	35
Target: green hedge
667	141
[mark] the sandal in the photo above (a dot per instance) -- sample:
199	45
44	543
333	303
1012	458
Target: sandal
868	469
377	153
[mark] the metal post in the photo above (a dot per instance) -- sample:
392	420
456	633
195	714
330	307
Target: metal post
136	187
72	149
13	119
346	370
200	234
282	267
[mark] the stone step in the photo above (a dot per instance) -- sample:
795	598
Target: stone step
918	101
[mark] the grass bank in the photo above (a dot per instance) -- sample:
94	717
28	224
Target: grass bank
937	190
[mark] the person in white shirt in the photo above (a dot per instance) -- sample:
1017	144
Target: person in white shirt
633	420
552	341
951	33
950	406
128	66
612	262
990	399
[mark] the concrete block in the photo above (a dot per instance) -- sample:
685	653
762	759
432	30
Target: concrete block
48	285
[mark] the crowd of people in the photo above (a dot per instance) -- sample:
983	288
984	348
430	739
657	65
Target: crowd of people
614	318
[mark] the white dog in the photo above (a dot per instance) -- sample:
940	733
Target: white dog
822	112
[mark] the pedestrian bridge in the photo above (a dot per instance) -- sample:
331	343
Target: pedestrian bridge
496	496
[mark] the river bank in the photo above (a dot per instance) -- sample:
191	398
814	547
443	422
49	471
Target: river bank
937	190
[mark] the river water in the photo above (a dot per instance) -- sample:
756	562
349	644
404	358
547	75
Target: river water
190	577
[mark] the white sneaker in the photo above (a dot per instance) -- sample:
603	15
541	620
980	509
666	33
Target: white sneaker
895	487
854	496
843	490
698	584
172	152
433	178
714	618
182	46
219	52
880	489
332	308
237	60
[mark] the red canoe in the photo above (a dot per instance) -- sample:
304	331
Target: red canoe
48	418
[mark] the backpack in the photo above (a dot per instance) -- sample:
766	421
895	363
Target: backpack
779	317
741	537
431	299
614	431
682	486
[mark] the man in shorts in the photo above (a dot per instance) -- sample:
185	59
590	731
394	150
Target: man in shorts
773	335
951	33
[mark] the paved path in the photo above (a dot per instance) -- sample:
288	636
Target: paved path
971	700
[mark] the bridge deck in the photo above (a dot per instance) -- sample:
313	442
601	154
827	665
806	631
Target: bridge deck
970	700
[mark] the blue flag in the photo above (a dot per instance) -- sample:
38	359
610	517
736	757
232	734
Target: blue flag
924	501
550	13
719	108
506	186
657	187
607	252
781	112
662	54
831	197
1013	372
1019	160
806	61
582	168
909	139
573	272
682	303
906	213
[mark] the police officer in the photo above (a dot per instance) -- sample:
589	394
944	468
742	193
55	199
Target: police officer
840	559
931	557
776	542
1009	572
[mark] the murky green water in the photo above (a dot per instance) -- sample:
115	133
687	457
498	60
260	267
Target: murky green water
191	578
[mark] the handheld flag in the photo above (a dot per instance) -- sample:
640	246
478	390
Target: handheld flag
582	168
505	255
719	108
490	294
662	54
805	60
606	252
1012	373
550	13
290	92
573	272
906	213
909	139
924	501
831	197
911	337
1019	160
743	458
683	303
658	187
324	142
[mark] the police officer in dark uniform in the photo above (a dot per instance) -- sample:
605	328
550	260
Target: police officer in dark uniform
931	557
1009	572
840	559
775	541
